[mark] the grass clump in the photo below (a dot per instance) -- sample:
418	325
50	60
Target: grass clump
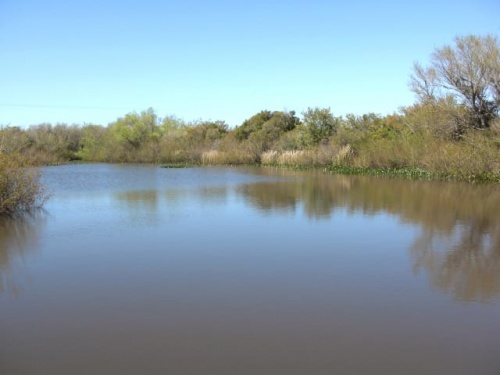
413	173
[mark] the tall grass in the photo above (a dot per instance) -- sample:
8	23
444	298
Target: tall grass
234	157
475	157
323	155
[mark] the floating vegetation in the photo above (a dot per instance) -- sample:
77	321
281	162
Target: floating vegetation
413	173
179	165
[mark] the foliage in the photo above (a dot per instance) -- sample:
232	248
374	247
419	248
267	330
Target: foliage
296	139
14	140
439	134
206	132
265	128
93	144
133	129
442	118
468	71
262	131
252	125
20	188
320	124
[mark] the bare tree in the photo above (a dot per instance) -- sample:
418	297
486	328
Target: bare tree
469	71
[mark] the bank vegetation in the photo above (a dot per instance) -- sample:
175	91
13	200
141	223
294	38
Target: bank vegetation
451	131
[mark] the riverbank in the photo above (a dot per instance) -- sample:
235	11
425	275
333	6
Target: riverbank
395	145
403	173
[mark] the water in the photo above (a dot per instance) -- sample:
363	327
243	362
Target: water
143	270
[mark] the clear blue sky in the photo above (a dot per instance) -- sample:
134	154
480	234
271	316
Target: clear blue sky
95	60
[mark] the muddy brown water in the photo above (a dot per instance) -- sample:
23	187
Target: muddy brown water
144	270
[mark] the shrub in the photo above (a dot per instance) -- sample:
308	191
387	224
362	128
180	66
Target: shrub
20	188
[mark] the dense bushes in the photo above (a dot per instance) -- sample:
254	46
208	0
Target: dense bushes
423	136
20	188
452	130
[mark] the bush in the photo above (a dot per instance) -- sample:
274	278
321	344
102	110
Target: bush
20	188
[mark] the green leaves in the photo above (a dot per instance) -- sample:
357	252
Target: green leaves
133	129
320	124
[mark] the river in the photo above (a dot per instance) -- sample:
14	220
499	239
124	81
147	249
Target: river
144	270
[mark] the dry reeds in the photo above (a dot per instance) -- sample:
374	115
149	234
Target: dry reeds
288	158
216	157
321	156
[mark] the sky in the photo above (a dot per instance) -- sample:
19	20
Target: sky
92	61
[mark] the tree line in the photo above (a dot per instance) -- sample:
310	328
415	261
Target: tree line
452	128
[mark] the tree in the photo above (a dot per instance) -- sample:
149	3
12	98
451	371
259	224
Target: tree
95	143
468	71
134	128
14	140
252	125
320	124
264	129
206	132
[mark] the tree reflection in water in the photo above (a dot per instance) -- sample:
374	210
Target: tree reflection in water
459	247
466	262
18	236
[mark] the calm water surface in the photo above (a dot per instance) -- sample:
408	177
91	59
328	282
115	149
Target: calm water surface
143	270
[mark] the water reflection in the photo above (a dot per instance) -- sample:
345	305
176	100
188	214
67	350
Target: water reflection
146	199
149	200
207	194
18	236
465	262
459	244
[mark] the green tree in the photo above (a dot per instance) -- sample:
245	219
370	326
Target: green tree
252	125
320	124
134	128
95	143
171	124
264	129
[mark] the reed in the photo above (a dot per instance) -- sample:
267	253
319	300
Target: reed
269	158
288	158
232	157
